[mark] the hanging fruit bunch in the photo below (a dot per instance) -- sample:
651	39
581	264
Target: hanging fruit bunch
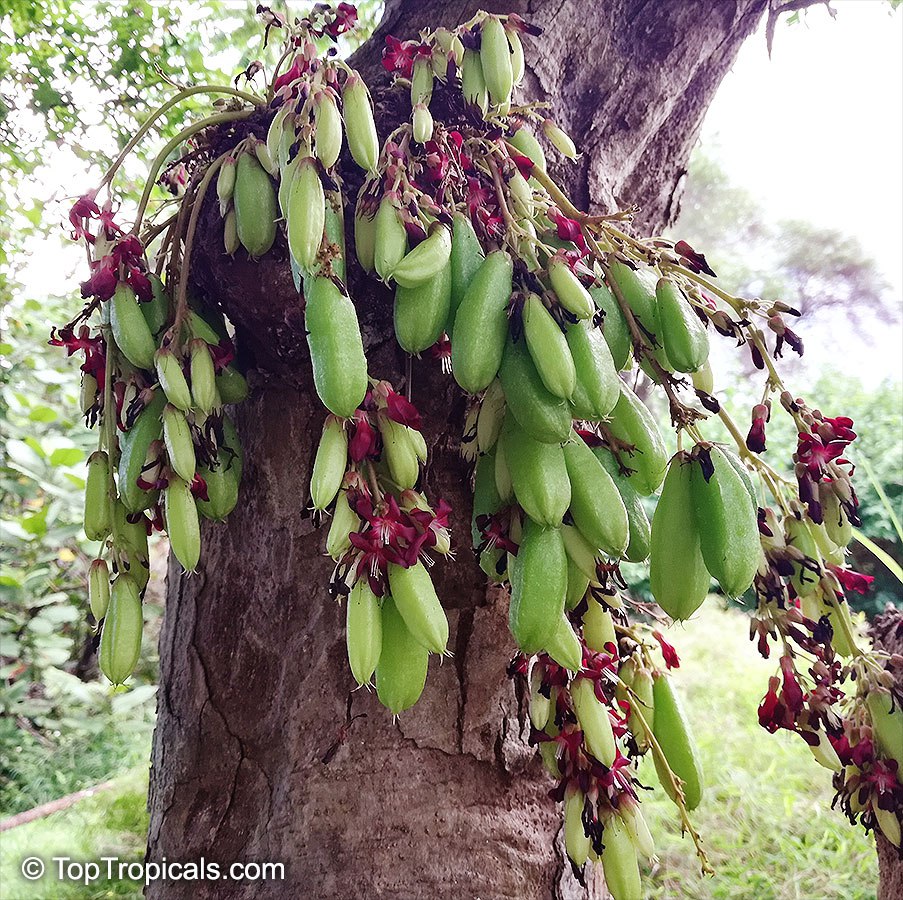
537	310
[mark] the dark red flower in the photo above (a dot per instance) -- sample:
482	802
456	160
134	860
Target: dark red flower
853	581
672	660
364	439
344	20
398	56
94	349
401	410
755	440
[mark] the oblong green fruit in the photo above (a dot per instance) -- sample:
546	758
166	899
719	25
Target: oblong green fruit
490	416
473	82
330	463
344	522
419	606
564	646
632	422
222	489
548	348
594	721
569	290
427	259
578	582
131	538
134	448
364	238
525	141
481	324
256	207
363	631
421	312
399	452
401	670
615	330
172	379
637	287
678	576
182	523
495	59
203	377
360	127
97	497
466	259
727	523
887	726
596	390
130	329
619	861
306	214
179	443
743	472
576	840
580	551
837	524
538	587
598	627
120	640
336	347
539	474
98	588
596	506
231	385
390	240
638	522
672	731
539	412
804	578
683	335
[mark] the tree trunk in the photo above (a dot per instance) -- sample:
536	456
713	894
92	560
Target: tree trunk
887	632
262	751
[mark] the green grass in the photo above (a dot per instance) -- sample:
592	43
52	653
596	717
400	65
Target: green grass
111	823
765	818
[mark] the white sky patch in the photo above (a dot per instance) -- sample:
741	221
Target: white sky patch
816	133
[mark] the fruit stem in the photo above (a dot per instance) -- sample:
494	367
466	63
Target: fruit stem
171	145
160	110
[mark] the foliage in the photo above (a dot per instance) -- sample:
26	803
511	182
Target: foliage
813	268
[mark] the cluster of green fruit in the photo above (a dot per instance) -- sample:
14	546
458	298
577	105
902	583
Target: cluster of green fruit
538	311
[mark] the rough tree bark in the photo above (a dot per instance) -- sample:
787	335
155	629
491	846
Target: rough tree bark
261	750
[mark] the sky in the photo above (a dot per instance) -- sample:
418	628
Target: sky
816	132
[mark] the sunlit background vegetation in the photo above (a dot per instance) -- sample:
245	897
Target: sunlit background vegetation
75	79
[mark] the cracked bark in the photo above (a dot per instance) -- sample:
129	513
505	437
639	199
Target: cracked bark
449	802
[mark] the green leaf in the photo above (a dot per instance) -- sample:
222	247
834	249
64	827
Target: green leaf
66	456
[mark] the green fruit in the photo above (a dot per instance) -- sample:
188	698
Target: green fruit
619	862
632	423
256	209
637	287
222	489
97	497
182	524
569	290
727	523
594	721
548	349
481	324
486	500
305	215
231	385
615	330
416	601
156	310
578	582
172	379
363	632
179	443
336	347
495	60
99	588
466	259
133	446
539	474
538	586
683	335
637	520
130	329
390	239
525	141
678	576
329	464
564	646
421	312
596	505
576	840
597	386
540	413
672	731
120	640
598	627
401	670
